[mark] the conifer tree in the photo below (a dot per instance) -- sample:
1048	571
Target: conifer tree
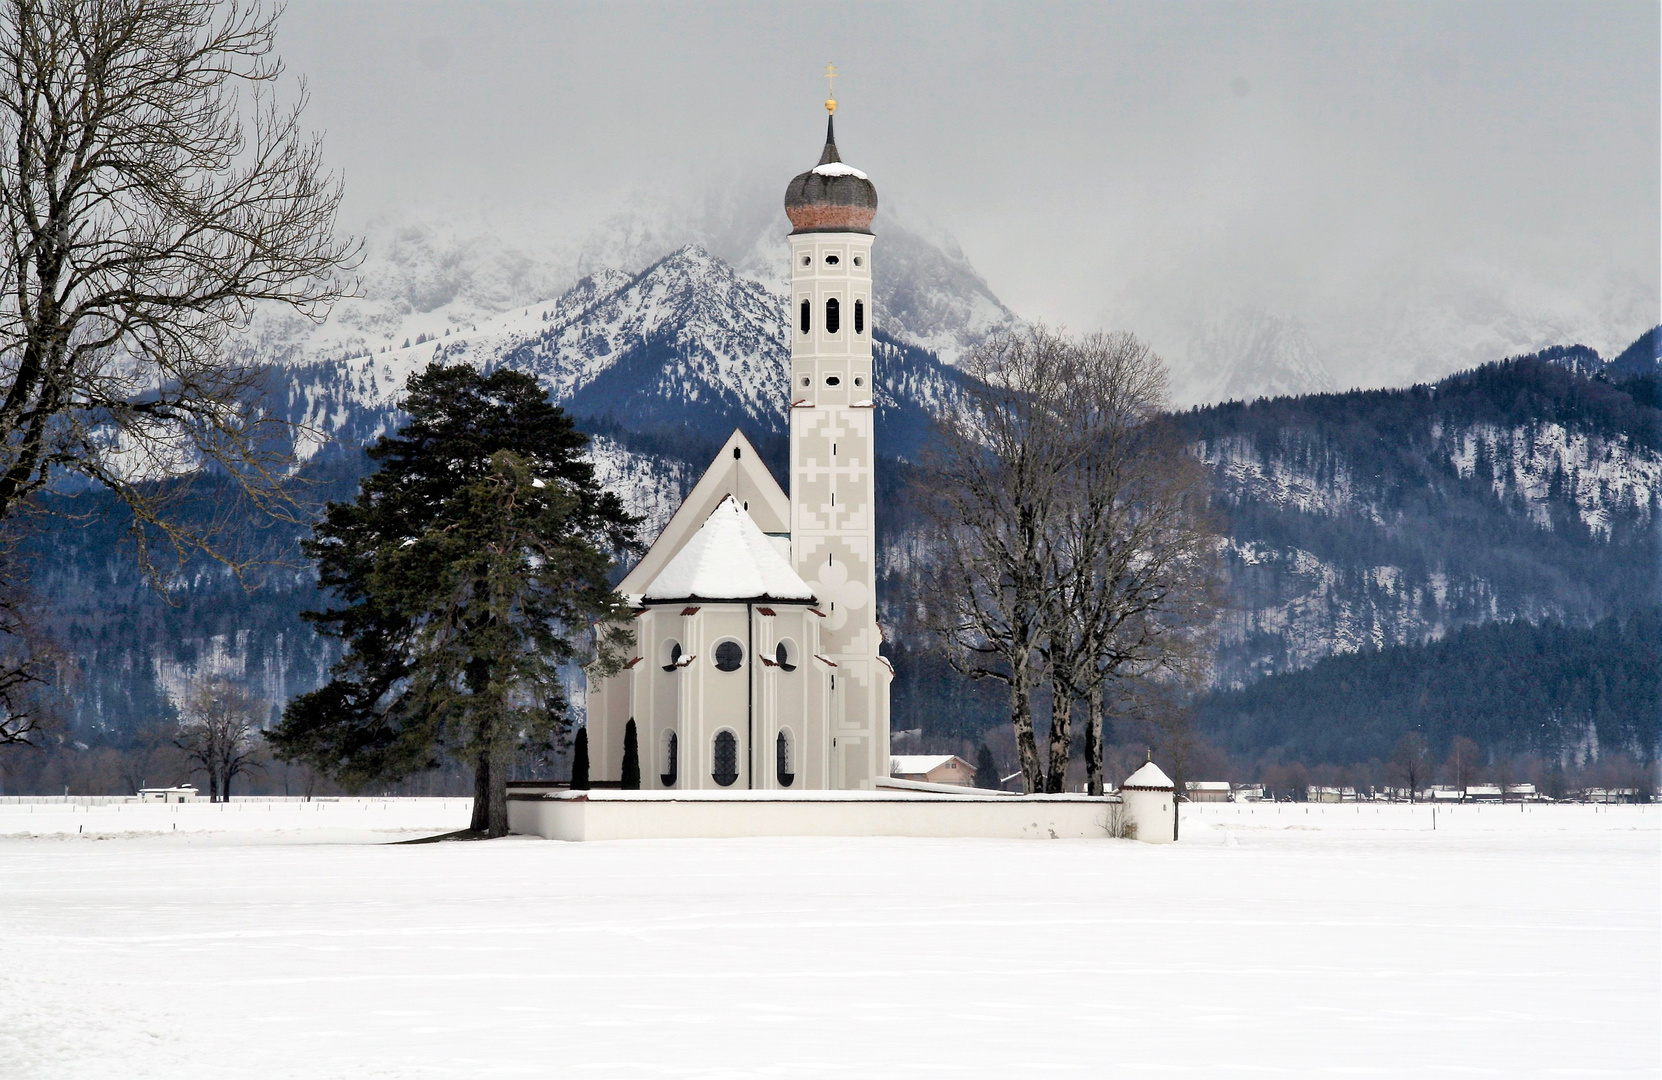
631	758
986	769
580	761
468	572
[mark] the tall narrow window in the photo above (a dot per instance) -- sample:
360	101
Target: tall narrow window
784	771
671	759
807	312
859	316
726	765
833	316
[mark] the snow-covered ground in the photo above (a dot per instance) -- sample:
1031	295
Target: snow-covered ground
1278	941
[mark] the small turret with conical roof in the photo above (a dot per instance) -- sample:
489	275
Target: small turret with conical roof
832	196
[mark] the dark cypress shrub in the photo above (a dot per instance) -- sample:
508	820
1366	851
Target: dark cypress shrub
580	761
986	769
631	758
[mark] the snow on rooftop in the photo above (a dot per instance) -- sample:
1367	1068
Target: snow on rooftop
728	558
918	763
1149	776
838	168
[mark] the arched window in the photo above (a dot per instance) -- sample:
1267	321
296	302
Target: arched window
729	655
784	654
671	657
807	312
672	756
833	316
786	770
859	316
725	768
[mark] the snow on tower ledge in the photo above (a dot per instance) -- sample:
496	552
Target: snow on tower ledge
729	559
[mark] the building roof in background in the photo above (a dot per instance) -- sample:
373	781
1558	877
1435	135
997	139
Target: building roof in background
922	763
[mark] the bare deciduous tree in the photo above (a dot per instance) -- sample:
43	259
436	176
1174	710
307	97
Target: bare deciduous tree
1134	575
220	734
992	486
1411	762
1464	757
1074	527
153	192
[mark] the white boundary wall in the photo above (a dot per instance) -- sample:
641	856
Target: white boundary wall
643	815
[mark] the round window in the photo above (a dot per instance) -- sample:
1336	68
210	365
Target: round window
784	656
729	655
672	655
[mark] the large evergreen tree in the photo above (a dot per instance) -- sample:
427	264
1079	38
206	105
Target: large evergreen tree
466	571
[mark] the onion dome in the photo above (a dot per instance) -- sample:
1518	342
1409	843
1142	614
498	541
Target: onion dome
832	196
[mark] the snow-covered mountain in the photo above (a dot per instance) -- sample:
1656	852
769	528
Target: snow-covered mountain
1246	354
687	342
1521	490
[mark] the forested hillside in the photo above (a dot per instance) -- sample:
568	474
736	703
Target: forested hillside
1565	693
1522	490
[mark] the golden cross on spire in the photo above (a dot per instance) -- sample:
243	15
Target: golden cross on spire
831	88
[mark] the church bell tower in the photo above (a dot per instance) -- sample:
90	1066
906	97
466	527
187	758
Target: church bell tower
832	409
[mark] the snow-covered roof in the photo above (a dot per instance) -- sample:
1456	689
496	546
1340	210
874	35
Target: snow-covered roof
1149	776
838	168
920	763
728	558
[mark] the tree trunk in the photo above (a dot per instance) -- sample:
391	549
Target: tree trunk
1021	719
490	793
1093	740
481	793
1061	734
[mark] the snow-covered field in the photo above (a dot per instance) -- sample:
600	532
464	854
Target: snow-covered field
1272	941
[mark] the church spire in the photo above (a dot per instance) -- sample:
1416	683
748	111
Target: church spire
829	154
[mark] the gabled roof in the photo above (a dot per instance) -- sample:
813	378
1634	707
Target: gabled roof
736	472
923	763
1149	777
729	558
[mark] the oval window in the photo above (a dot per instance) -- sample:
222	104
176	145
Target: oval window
833	315
832	260
807	260
725	767
729	655
833	380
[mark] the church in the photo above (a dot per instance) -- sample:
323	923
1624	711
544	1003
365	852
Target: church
755	662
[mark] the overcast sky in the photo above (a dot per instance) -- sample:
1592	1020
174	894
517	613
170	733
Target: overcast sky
1102	165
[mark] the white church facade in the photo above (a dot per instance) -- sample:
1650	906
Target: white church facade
755	661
